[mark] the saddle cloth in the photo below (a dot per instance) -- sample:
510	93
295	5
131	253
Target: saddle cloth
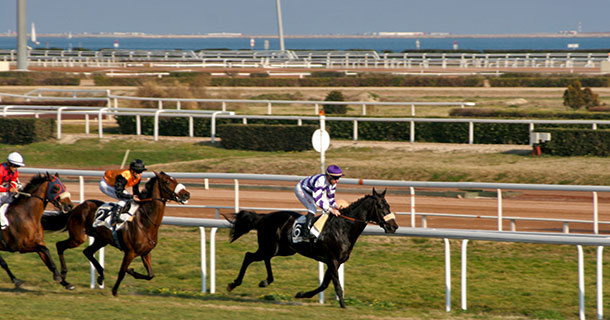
314	232
103	215
3	219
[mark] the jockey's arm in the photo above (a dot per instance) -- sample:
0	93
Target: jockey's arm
119	187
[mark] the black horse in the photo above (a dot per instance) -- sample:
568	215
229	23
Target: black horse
333	246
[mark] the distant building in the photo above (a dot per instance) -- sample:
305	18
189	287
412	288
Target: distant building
400	34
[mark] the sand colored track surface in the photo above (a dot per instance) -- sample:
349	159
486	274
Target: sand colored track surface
516	203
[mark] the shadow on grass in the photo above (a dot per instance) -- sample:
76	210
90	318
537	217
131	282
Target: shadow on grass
268	299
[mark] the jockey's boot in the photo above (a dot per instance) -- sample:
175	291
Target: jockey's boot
307	226
116	213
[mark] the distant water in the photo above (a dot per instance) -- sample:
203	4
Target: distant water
395	45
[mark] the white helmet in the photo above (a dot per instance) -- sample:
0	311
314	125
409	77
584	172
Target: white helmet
15	159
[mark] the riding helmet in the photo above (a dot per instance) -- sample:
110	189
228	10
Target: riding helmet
137	166
334	171
16	159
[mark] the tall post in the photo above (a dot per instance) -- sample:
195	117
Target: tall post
22	30
279	24
322	129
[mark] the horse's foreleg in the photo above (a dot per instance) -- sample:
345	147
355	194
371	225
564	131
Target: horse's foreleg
248	259
322	287
269	279
127	258
147	264
75	240
45	255
14	280
61	247
89	252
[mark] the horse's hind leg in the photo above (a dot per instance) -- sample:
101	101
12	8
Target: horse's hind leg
147	264
269	280
14	280
89	252
248	259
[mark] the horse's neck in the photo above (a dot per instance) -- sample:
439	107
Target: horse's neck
34	200
157	207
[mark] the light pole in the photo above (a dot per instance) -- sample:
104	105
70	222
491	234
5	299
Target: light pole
22	51
279	24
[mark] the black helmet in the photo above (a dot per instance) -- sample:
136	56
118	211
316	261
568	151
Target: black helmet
137	166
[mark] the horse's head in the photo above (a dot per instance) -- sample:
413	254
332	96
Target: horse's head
57	194
382	213
171	189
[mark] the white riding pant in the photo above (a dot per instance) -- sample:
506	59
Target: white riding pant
305	198
111	192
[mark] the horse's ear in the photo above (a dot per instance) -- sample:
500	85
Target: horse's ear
374	191
383	193
48	175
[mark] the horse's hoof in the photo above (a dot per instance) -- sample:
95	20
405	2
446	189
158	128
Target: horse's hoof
100	281
115	293
18	283
230	287
300	294
67	285
263	284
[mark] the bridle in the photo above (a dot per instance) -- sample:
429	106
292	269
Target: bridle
50	195
164	190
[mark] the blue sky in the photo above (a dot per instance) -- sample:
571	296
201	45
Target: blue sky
256	17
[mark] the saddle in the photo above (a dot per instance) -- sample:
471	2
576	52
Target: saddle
103	215
314	232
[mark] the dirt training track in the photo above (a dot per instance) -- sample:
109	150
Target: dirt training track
523	204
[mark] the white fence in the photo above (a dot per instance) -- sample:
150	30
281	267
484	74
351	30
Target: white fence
465	235
100	112
307	59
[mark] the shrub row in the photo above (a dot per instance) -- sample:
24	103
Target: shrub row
266	137
576	142
485	133
37	79
338	80
491	113
25	130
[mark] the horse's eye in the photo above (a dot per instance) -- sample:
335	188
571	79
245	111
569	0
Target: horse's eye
55	188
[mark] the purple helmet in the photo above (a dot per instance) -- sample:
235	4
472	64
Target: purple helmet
334	171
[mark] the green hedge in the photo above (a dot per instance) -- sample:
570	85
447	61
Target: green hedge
447	132
266	137
576	142
25	130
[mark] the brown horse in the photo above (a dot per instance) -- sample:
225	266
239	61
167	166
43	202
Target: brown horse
24	232
136	238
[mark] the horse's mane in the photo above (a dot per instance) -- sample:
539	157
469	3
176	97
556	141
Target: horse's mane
35	182
355	204
148	188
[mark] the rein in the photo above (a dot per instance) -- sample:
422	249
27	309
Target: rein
352	219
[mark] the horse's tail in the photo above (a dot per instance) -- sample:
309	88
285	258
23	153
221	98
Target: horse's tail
55	221
243	222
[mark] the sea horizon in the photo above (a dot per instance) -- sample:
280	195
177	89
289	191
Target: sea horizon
384	43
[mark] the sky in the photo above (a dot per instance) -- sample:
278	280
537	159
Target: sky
301	17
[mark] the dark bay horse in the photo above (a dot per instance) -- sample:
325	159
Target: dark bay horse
136	238
333	247
24	232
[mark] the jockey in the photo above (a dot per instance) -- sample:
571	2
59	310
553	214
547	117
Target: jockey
319	191
114	183
9	177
